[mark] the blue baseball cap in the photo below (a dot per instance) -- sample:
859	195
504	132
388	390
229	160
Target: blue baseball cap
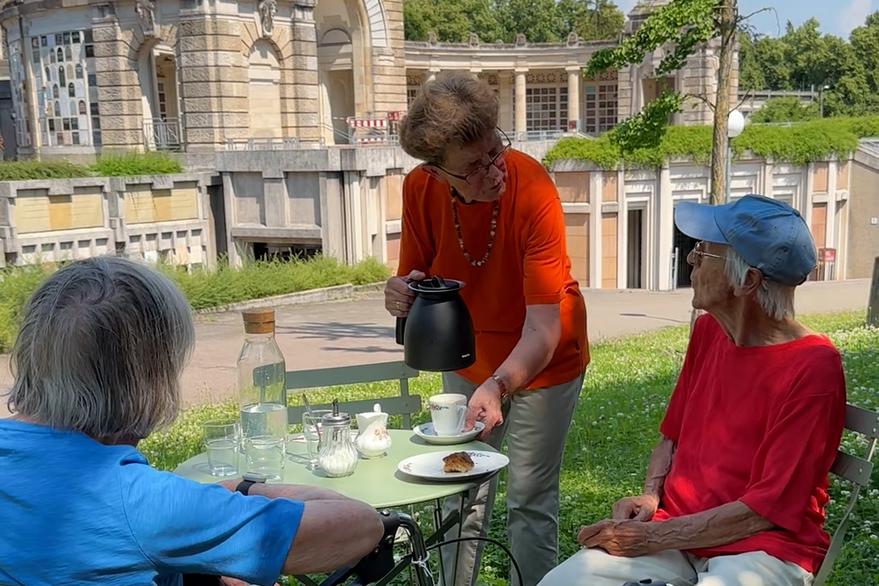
770	235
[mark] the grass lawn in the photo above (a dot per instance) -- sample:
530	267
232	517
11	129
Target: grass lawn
615	428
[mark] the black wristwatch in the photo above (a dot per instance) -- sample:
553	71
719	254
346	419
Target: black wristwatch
250	478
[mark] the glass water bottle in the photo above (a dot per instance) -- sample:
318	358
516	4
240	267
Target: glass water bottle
262	392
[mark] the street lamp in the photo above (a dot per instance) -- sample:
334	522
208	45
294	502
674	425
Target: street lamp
734	127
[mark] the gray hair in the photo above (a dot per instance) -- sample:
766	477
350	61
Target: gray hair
101	349
776	300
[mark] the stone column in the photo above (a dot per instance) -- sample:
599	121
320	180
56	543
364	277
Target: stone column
120	101
389	63
574	96
521	109
505	97
305	109
214	77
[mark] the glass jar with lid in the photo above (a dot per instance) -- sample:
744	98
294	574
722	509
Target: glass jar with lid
338	456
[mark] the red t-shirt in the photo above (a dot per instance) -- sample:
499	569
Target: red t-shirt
760	425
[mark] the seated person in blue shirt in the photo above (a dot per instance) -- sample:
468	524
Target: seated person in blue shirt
97	362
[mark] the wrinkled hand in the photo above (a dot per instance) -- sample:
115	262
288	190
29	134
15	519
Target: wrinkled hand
637	508
398	295
619	538
484	406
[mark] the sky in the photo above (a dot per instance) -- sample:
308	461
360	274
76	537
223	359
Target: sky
839	23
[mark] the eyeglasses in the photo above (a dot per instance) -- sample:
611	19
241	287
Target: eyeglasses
479	173
699	253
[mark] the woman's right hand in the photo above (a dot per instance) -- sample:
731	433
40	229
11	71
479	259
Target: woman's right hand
398	295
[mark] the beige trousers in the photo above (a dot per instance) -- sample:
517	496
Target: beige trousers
595	567
536	423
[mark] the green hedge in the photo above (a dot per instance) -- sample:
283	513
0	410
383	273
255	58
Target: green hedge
203	288
109	165
798	144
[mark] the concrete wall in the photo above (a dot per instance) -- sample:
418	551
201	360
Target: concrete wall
863	225
607	252
162	217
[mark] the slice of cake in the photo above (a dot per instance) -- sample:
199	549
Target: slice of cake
458	462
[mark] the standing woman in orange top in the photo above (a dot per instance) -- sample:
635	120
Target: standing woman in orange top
480	212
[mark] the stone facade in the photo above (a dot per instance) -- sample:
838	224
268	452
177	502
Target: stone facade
203	76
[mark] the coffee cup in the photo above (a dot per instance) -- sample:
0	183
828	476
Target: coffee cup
447	411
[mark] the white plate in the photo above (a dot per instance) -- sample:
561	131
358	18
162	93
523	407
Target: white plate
430	466
426	432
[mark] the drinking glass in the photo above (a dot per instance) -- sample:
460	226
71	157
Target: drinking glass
312	429
265	455
221	438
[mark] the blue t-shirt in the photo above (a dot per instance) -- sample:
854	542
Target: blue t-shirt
75	512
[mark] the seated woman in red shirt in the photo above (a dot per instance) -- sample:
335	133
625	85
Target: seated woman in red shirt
736	487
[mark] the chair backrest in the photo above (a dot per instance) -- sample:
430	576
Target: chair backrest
856	470
404	404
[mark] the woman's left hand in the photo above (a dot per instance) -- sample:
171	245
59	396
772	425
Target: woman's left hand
485	406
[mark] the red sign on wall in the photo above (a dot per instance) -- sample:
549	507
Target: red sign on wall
827	255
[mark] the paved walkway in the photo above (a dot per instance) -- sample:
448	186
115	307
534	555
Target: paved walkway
359	330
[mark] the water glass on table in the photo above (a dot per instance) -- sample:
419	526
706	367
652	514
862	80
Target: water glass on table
221	440
265	455
312	429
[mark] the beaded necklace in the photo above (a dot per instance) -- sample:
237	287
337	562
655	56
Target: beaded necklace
494	216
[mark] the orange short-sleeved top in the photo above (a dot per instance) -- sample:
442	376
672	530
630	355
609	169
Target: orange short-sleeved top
528	265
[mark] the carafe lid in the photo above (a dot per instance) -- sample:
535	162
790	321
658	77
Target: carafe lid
436	285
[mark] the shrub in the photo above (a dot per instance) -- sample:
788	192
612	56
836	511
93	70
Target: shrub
797	144
31	170
204	288
133	164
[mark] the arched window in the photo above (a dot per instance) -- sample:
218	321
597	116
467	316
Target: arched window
60	54
70	72
58	109
71	90
82	111
48	75
51	56
62	78
68	53
55	92
78	71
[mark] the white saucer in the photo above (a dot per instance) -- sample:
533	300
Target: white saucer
426	432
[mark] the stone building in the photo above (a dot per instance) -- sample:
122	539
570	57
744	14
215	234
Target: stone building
209	75
288	109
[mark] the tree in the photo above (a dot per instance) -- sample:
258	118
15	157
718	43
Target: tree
593	20
451	20
681	26
751	77
541	21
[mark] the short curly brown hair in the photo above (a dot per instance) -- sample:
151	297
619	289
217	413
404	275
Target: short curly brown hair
453	110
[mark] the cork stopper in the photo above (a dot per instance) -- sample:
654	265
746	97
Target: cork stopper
259	321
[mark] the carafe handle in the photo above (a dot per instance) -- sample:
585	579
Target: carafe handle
400	329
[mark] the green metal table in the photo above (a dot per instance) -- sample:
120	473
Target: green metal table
375	482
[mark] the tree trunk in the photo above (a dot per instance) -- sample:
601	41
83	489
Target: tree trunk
727	18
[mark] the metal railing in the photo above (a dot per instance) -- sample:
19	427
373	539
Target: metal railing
274	143
162	135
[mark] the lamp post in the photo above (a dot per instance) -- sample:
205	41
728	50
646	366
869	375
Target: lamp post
735	126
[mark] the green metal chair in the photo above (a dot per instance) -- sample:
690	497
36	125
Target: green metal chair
856	470
404	404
